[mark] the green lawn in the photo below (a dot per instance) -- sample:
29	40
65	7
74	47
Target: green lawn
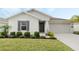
21	44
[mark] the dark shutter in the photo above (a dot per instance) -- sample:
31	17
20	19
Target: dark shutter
27	25
18	25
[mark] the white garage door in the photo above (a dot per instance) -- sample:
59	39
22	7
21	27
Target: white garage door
61	28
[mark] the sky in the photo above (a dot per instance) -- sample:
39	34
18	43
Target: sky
65	13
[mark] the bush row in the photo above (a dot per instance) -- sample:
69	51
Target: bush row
26	35
76	32
19	34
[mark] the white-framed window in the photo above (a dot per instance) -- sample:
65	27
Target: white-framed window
23	25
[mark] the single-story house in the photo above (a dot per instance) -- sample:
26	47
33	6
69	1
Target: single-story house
36	21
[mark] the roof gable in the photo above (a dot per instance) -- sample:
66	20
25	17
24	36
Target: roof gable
32	15
20	14
40	12
51	17
34	10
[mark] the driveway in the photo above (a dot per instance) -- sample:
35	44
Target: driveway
71	40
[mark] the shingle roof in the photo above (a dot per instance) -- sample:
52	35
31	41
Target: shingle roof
51	17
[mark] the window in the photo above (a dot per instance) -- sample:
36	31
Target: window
23	25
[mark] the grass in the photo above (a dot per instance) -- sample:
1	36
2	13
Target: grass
22	44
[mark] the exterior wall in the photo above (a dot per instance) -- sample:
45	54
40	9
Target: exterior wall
34	21
60	27
59	21
13	22
76	26
39	15
46	27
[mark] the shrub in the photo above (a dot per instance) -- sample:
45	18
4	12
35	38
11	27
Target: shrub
4	34
19	34
36	34
50	34
12	34
76	32
27	34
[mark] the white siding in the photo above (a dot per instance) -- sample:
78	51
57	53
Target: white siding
39	15
13	22
57	26
76	26
46	27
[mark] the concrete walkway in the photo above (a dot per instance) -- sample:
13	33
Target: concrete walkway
71	40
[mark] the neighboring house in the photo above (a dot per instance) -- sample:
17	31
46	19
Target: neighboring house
36	21
2	23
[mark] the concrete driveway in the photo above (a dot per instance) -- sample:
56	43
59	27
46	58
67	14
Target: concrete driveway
71	40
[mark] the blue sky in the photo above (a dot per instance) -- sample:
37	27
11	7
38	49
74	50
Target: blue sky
55	12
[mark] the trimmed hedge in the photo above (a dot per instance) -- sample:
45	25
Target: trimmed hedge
50	34
76	32
19	34
12	34
27	34
36	34
3	34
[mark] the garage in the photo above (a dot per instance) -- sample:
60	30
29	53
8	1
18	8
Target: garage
61	27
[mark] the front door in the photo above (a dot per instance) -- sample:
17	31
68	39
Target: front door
42	26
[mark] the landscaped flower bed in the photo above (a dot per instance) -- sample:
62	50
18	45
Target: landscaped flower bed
35	35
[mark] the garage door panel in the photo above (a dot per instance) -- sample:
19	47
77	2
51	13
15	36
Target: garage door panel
60	28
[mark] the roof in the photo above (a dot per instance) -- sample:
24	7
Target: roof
1	18
51	18
3	21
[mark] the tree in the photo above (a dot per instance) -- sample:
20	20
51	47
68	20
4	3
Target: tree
75	18
5	29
